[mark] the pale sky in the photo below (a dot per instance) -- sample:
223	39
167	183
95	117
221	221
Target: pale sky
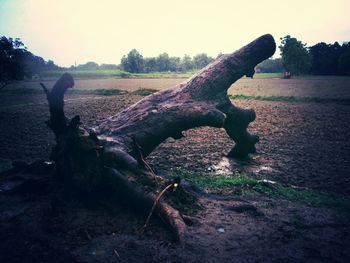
69	31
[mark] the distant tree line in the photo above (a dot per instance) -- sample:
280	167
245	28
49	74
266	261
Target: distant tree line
134	62
320	59
91	65
17	63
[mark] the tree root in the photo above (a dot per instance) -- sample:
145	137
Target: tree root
145	202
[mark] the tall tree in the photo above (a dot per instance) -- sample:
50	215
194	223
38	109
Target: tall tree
295	56
12	53
163	62
133	62
16	62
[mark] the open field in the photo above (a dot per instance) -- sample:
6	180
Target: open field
111	73
289	202
123	74
326	87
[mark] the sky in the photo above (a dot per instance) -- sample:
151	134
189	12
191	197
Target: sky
77	31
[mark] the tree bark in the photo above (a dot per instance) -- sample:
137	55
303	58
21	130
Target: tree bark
115	149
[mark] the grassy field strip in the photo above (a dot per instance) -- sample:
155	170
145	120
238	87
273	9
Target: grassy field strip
290	99
242	184
123	74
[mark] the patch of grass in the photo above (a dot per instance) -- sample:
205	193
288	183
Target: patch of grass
241	184
163	75
223	182
291	99
267	75
54	74
144	92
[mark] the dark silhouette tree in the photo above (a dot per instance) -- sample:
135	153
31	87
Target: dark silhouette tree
344	60
12	52
16	62
325	58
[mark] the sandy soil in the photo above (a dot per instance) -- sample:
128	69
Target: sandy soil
302	144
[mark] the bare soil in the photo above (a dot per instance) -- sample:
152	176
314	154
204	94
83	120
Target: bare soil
301	144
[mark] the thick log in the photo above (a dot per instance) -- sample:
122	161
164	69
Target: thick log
114	151
201	101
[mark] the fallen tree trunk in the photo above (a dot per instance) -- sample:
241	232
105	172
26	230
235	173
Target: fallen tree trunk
112	154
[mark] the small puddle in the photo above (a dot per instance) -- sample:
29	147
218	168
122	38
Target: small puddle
262	168
223	167
227	166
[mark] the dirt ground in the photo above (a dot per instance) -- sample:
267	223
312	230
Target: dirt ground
301	144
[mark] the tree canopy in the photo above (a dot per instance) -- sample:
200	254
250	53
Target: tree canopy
133	62
17	63
329	59
295	56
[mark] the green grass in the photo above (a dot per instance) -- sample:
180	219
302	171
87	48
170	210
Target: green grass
223	182
267	75
244	185
54	74
163	75
290	99
144	92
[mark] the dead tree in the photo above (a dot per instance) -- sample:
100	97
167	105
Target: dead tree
111	156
